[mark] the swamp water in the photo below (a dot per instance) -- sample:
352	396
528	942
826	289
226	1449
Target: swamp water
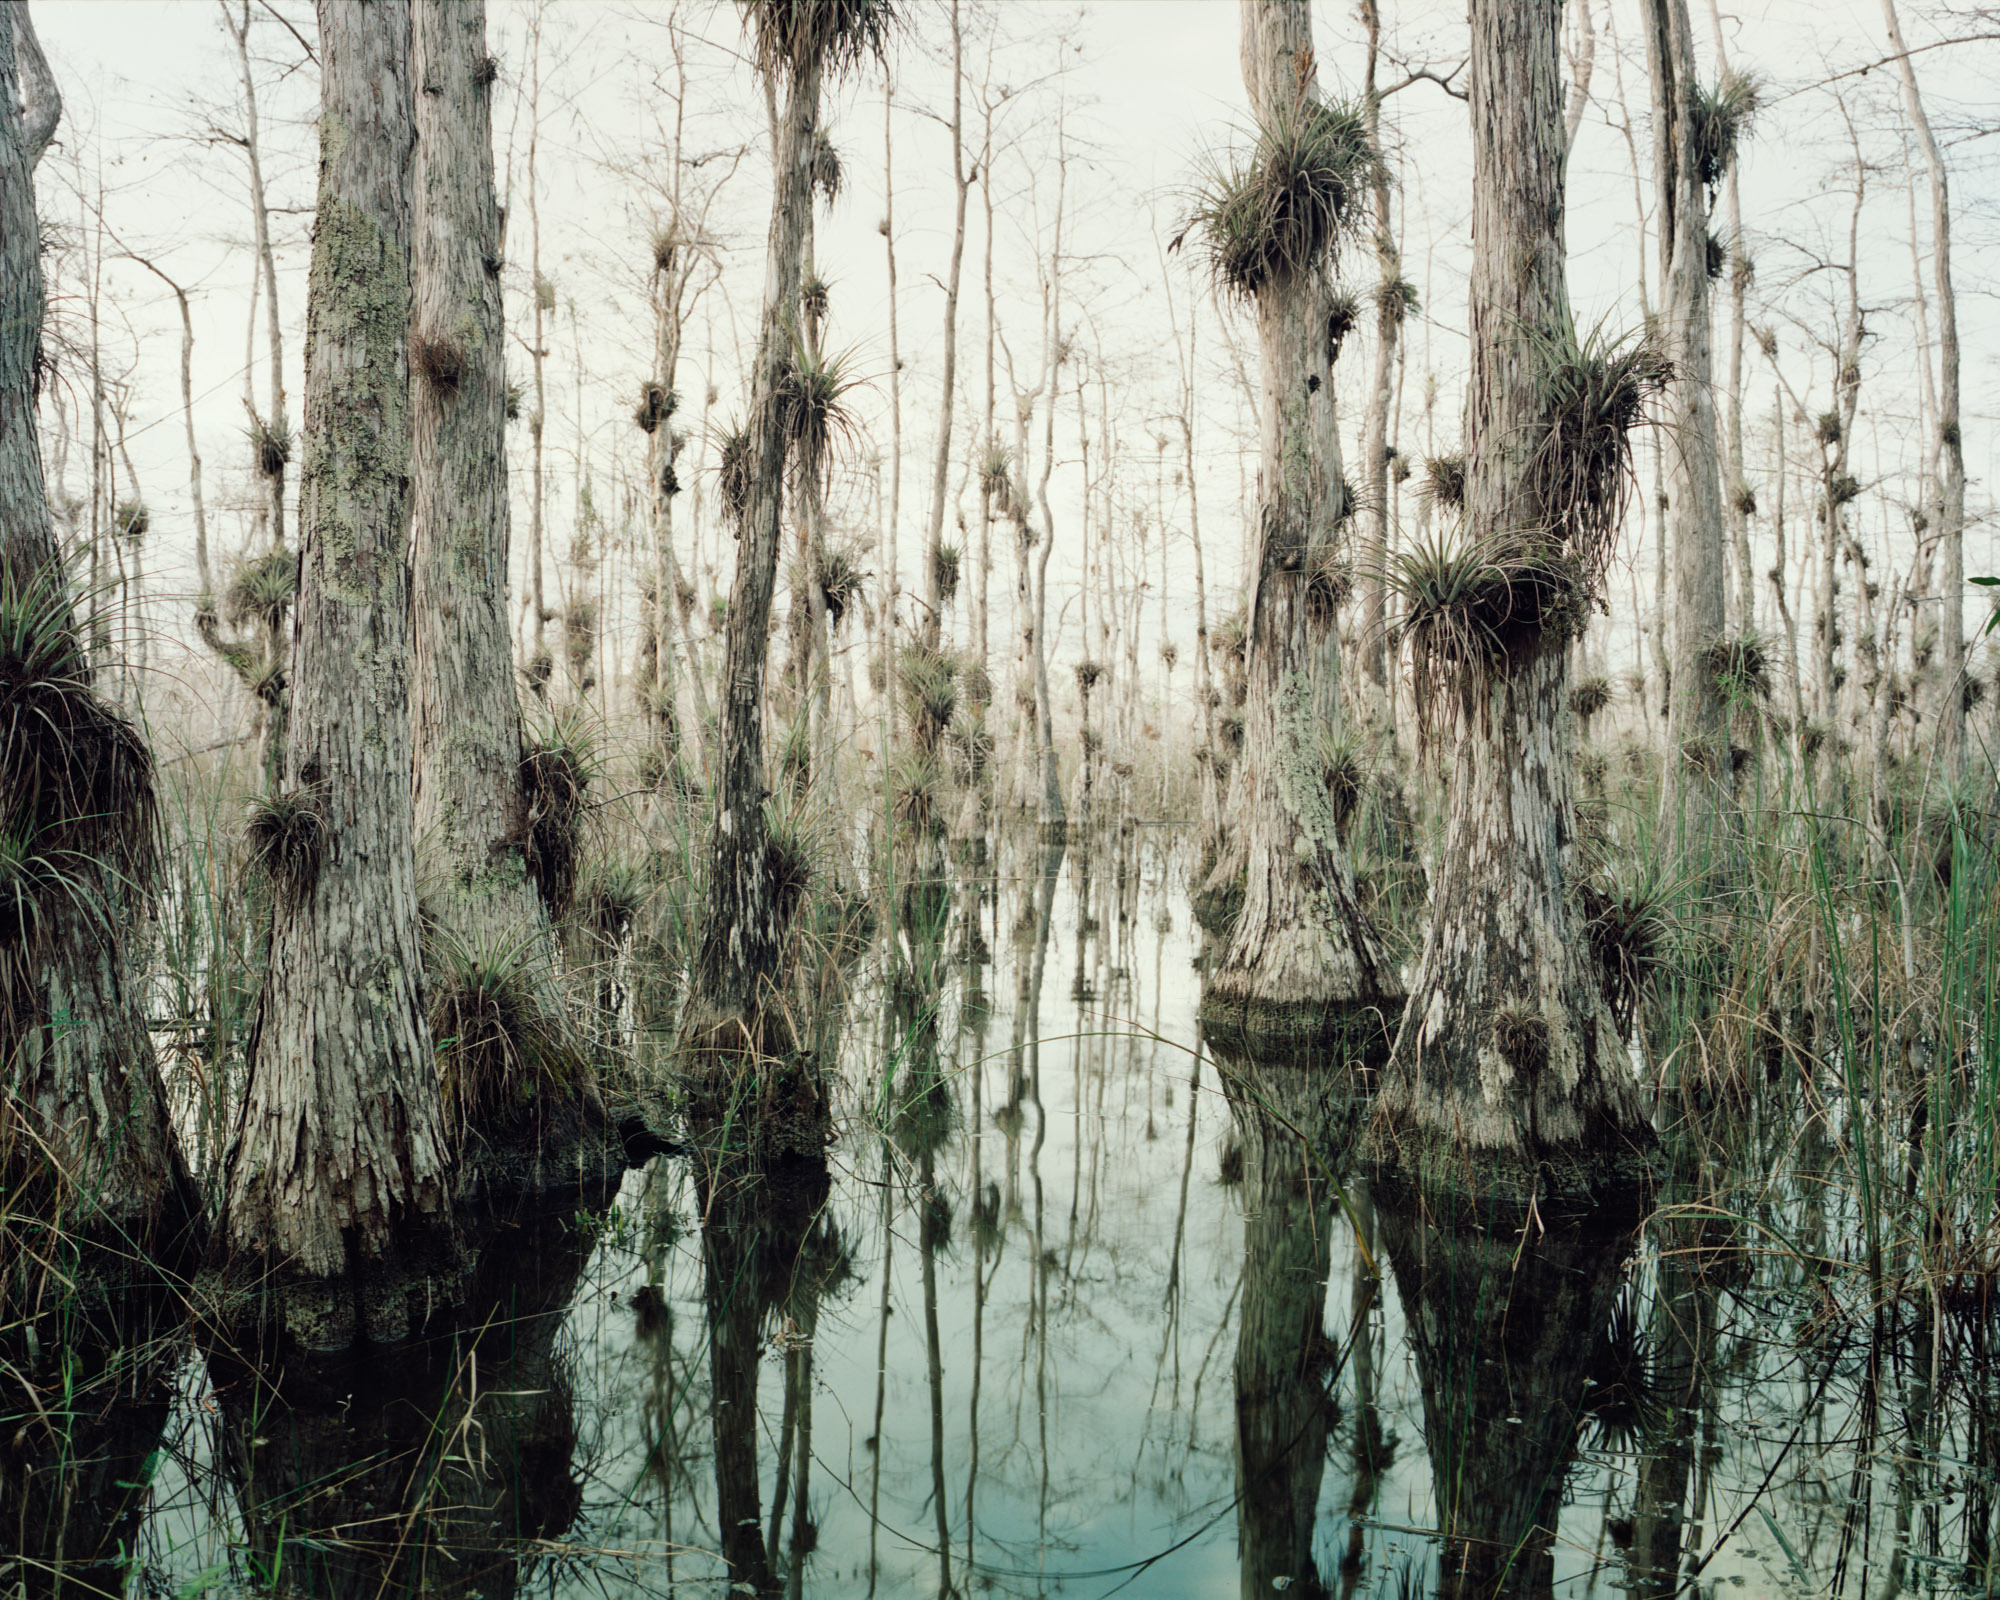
1075	1307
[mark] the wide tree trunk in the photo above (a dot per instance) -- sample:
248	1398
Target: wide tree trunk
85	1142
472	808
340	1168
1508	1073
742	926
1301	954
1697	794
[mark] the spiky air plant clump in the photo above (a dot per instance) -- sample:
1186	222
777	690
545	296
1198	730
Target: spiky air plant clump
1594	390
1329	582
1739	665
559	761
1520	1036
915	781
1285	207
944	572
439	361
797	845
1170	654
545	294
971	748
1343	765
1343	310
815	295
928	681
1744	499
975	685
502	1057
666	248
1629	924
1396	300
812	408
1228	638
995	482
1590	697
1723	118
1716	260
262	591
656	404
511	407
827	173
735	465
1089	674
1463	602
74	772
284	838
1444	482
1828	429
613	894
1844	489
269	449
837	35
132	520
841	581
579	620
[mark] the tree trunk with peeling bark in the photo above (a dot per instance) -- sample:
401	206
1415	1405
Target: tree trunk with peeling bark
1301	957
86	1147
1508	1073
339	1180
471	805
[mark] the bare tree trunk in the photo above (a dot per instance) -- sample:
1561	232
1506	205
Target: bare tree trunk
1508	1074
1389	309
1301	956
1736	493
1698	759
1054	821
471	803
541	666
934	600
743	922
1948	513
275	425
340	1169
85	1143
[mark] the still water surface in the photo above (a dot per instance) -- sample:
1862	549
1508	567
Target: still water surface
1073	1310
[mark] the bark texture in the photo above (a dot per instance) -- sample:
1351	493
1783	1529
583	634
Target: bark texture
1301	952
1948	507
1697	712
340	1166
742	928
1508	1073
85	1143
471	805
